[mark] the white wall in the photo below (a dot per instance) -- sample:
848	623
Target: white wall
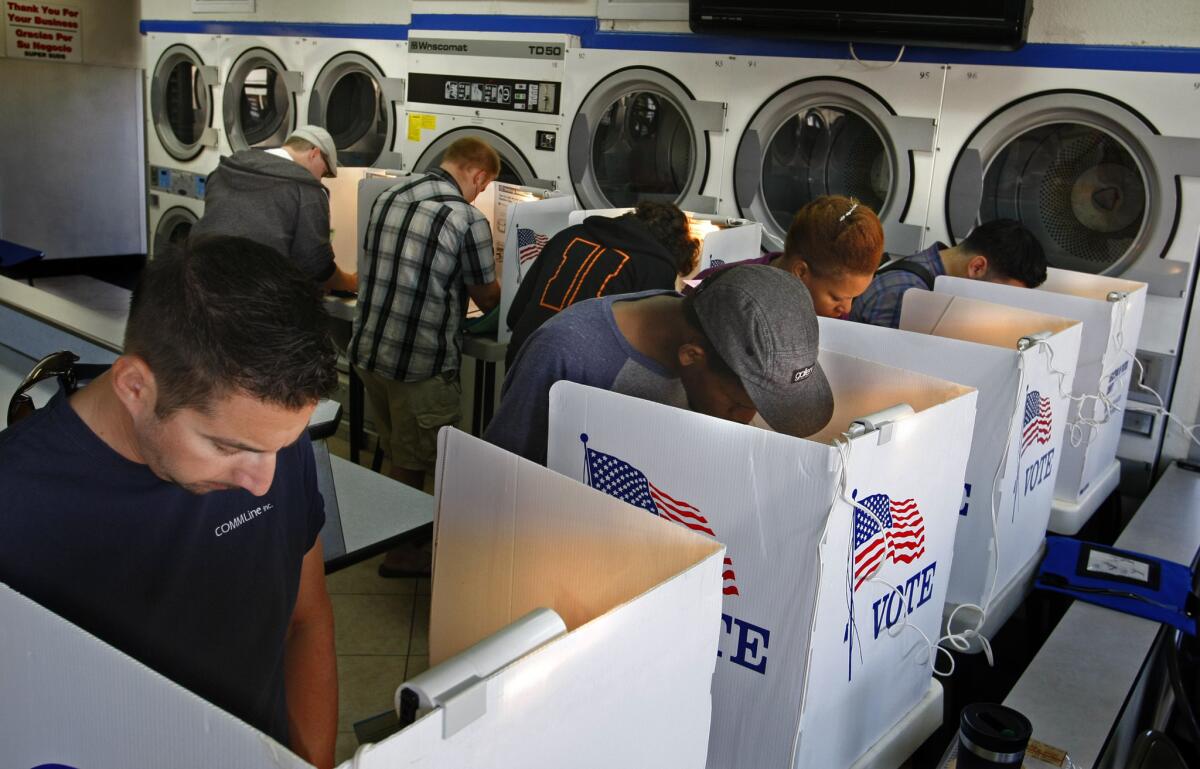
72	159
326	11
1116	22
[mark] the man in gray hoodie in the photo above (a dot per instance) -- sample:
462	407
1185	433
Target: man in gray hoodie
275	197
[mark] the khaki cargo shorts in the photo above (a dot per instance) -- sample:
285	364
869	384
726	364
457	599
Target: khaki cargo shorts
408	415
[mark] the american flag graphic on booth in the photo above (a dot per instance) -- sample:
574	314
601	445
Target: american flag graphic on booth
895	533
619	479
529	244
1035	424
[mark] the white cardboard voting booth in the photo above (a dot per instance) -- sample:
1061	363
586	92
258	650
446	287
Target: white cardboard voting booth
72	699
724	240
810	673
1111	312
1020	417
530	225
628	685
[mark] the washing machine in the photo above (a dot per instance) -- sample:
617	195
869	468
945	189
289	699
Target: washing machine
184	101
352	89
262	86
807	127
170	218
506	89
1103	167
647	125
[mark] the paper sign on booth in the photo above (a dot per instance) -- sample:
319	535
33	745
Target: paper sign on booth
808	673
1020	417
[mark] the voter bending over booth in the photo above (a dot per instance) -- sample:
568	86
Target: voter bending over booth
744	342
639	251
999	251
834	244
170	507
276	197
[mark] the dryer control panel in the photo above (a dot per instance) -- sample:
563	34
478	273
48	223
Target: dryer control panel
177	182
536	96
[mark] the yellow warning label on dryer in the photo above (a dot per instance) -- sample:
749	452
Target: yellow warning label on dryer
416	122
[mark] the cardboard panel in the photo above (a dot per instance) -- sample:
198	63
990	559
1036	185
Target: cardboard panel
512	536
769	497
72	699
1105	364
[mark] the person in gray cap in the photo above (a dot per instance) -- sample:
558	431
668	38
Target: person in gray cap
275	197
744	342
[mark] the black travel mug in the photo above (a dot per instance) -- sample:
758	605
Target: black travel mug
992	737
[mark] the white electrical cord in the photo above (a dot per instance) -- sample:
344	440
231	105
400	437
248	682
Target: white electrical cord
864	65
1076	429
959	640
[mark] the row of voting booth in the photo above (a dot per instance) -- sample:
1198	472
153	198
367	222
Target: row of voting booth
676	590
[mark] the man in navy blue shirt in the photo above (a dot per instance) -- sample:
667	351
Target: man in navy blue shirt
170	507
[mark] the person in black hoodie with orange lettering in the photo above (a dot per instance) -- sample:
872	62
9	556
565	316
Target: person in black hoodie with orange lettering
642	250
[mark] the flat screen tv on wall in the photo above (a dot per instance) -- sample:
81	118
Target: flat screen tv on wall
990	24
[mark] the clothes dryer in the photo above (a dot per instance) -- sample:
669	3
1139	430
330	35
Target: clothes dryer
811	127
261	88
1104	168
184	100
355	90
170	219
506	89
647	125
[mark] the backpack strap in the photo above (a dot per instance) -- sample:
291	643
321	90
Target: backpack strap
905	264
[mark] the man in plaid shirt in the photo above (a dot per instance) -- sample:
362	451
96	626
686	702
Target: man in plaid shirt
426	250
999	251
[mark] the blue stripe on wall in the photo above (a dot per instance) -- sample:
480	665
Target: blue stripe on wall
1127	58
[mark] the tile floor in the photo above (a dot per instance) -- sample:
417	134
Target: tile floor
382	639
381	632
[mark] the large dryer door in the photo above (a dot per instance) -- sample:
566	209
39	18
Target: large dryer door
640	135
829	137
514	168
1087	176
353	100
259	104
181	102
173	228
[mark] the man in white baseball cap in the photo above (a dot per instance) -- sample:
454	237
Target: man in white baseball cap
275	197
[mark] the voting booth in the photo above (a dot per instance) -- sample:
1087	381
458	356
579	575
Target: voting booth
1110	310
529	225
838	557
723	239
1009	355
626	684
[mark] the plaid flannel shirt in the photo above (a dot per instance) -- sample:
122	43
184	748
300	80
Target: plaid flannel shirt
879	305
423	246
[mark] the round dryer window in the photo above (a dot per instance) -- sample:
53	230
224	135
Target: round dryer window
1083	173
640	135
259	105
347	99
181	102
514	168
173	228
824	137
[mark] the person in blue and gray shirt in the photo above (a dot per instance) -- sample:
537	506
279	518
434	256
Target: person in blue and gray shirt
999	251
744	342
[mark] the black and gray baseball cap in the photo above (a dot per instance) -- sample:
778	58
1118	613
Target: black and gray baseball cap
761	321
